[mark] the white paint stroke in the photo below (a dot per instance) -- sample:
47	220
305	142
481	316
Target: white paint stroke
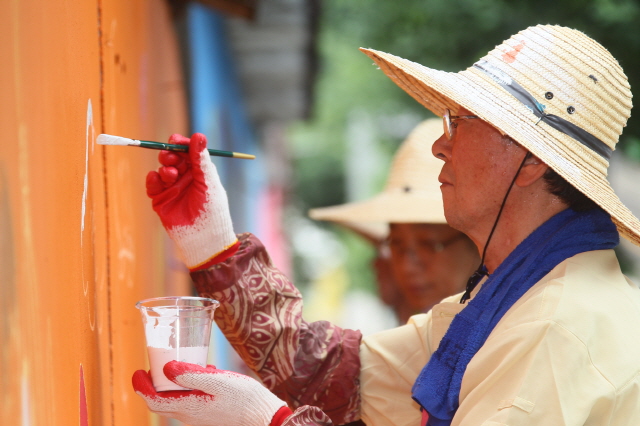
86	169
25	396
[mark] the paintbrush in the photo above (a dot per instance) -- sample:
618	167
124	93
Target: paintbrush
104	139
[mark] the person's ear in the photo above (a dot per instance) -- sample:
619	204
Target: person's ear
532	171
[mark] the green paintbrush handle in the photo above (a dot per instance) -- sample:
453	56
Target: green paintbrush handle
185	148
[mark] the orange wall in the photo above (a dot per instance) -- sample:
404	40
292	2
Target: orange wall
79	243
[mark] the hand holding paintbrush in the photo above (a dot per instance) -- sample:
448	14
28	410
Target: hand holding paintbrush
192	204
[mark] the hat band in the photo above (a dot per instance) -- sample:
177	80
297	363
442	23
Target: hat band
558	123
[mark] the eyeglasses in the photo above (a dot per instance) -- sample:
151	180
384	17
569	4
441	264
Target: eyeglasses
438	246
429	246
448	122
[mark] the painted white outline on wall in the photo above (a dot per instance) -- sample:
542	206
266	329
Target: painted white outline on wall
86	169
85	281
25	395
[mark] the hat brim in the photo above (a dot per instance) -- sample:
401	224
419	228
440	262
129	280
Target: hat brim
478	93
374	232
394	207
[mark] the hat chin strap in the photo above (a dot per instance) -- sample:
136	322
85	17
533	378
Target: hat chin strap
481	271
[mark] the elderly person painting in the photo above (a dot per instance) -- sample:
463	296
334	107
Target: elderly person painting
421	260
546	331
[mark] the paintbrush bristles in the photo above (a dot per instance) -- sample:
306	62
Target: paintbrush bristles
104	139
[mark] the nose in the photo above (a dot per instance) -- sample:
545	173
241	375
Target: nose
411	262
441	148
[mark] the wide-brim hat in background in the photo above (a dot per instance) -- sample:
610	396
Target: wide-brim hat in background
374	232
411	194
554	90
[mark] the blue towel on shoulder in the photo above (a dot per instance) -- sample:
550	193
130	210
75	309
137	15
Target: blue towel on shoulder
568	233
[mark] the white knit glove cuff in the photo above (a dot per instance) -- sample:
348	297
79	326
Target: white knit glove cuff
238	400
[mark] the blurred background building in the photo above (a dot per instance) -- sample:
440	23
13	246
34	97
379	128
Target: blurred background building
282	79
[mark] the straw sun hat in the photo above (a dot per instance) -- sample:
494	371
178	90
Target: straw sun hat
411	195
554	90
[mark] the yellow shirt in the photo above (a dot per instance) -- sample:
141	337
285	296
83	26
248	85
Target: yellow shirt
566	353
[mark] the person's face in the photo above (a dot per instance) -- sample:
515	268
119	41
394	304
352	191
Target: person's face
479	164
429	262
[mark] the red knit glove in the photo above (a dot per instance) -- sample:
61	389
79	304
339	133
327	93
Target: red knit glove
192	204
219	398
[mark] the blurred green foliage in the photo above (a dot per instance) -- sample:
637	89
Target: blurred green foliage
443	34
452	34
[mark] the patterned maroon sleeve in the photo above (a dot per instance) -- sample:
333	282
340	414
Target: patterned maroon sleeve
314	364
307	416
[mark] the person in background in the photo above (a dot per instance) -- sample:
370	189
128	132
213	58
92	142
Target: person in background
421	260
545	332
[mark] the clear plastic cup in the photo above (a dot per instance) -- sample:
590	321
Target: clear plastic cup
176	328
